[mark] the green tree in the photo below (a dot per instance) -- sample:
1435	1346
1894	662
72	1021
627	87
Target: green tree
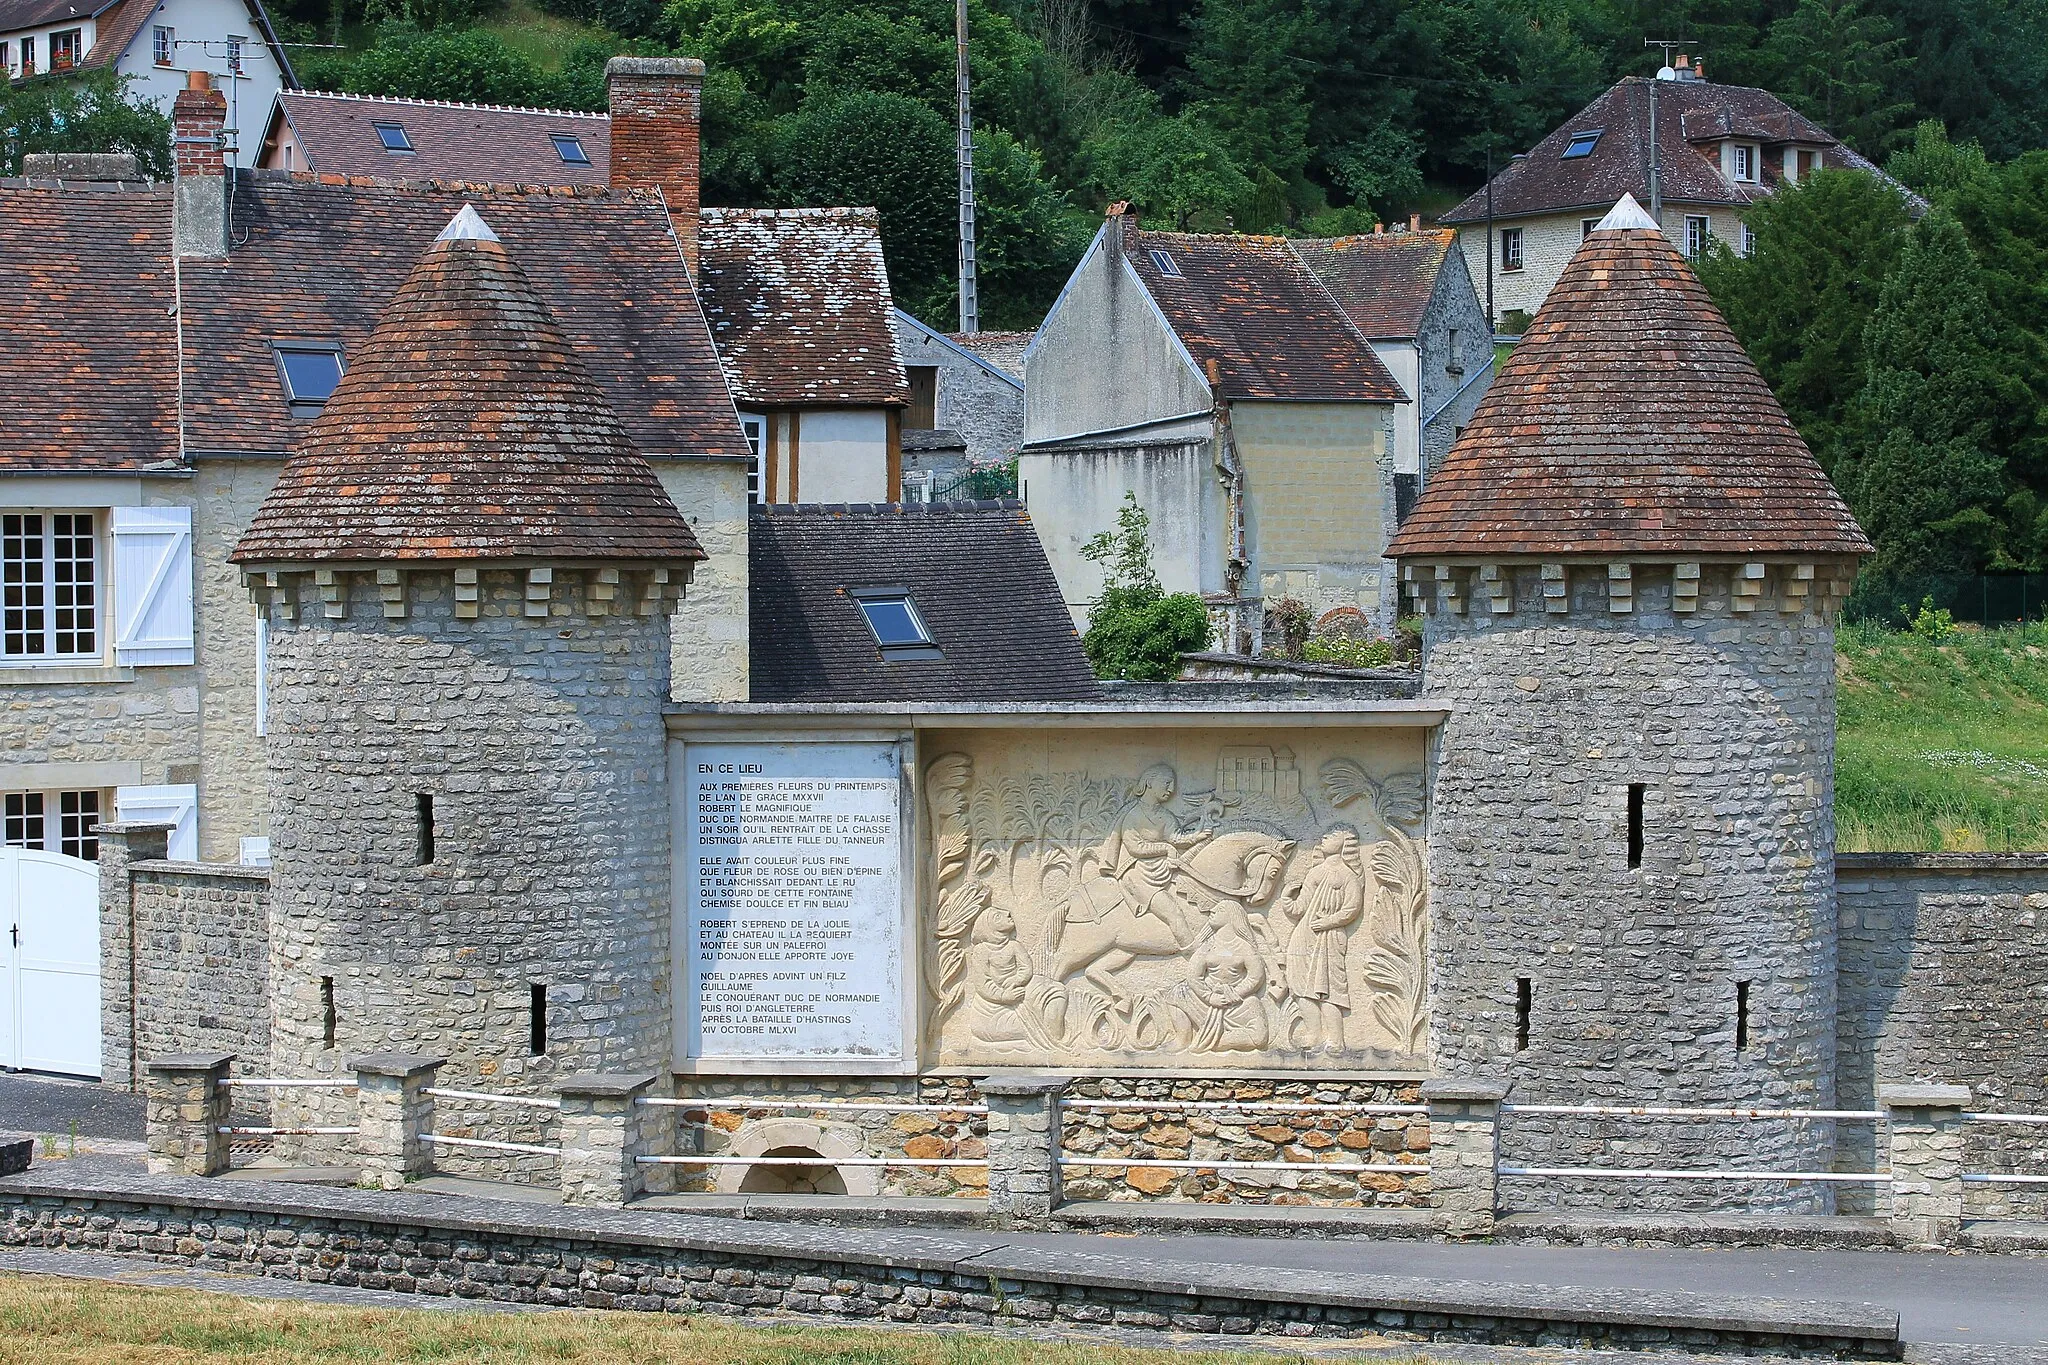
94	112
1027	236
888	151
1382	170
1170	169
1918	471
1248	77
1842	66
445	64
1801	301
1136	630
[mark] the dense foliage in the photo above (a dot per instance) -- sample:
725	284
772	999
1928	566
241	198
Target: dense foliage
1137	630
1310	115
1913	355
94	113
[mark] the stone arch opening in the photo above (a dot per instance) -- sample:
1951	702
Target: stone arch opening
822	1178
830	1143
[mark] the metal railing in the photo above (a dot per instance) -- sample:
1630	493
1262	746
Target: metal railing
494	1144
286	1083
2007	1178
1311	1166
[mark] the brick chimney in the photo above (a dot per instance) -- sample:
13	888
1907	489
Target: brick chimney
199	218
657	108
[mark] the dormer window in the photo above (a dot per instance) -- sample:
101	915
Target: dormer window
893	619
1742	161
393	136
1582	144
309	371
570	148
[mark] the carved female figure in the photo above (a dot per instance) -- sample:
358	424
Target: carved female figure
1332	900
1226	972
1005	1008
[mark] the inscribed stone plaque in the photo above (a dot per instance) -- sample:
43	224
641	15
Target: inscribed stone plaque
795	902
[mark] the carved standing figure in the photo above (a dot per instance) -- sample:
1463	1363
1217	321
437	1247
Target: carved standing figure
1332	900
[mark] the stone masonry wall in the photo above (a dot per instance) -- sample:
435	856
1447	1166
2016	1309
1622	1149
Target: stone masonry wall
1943	979
738	1114
202	962
234	797
985	409
541	744
1726	720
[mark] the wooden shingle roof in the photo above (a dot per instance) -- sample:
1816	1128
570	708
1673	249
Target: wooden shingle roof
1628	420
466	428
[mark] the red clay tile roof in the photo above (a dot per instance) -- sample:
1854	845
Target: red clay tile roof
1628	420
1689	114
1249	305
799	303
20	14
89	364
466	428
116	29
1382	280
317	258
489	142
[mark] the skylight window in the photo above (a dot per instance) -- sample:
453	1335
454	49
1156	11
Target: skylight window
392	135
894	621
1164	264
570	148
1582	144
309	372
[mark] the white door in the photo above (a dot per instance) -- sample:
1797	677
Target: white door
49	962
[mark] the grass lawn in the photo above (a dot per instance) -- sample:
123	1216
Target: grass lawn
48	1321
1942	746
542	38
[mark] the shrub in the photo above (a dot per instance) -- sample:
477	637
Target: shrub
1346	651
1136	631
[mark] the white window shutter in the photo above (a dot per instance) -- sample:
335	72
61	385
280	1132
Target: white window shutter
262	675
152	585
168	805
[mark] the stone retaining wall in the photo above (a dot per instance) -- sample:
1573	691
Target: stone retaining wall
729	1123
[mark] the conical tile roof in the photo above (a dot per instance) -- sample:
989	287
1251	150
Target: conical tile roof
1628	420
466	428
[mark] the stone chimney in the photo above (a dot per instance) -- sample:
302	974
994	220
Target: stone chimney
657	106
199	118
80	166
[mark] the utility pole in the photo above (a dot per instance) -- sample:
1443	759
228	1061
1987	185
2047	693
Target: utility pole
1656	152
970	303
1492	323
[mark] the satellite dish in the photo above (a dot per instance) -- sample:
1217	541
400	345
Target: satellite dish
1666	73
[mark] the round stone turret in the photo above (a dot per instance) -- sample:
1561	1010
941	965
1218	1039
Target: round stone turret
1631	565
467	573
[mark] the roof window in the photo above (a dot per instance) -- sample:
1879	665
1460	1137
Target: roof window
570	148
893	619
1164	263
1582	144
392	135
309	371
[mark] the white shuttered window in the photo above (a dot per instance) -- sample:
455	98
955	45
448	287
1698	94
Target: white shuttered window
152	585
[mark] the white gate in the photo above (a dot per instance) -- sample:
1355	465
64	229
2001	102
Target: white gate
49	962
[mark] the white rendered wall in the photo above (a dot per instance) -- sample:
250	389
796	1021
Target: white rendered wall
843	455
1402	359
211	22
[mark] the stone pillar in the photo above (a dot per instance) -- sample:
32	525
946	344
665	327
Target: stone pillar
121	847
394	1116
605	1130
1023	1144
186	1108
1464	1152
1924	1126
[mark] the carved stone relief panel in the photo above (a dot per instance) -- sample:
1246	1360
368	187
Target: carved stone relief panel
1187	900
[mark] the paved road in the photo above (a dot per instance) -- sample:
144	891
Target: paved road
32	1104
1973	1299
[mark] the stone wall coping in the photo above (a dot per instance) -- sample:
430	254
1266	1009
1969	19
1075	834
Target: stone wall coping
1022	1084
1944	862
401	1064
134	827
169	867
191	1061
605	1084
1136	713
92	1180
1923	1096
1457	1090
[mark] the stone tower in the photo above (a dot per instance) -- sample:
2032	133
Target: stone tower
1632	565
468	573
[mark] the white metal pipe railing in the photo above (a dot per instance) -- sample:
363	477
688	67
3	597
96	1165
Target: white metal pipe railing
1969	1117
1625	1173
890	1108
284	1083
1249	1106
722	1160
1974	1179
530	1101
1680	1112
494	1145
1304	1167
246	1131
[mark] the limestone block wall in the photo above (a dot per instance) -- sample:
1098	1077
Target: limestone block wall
202	962
1943	979
708	660
541	747
234	800
1577	978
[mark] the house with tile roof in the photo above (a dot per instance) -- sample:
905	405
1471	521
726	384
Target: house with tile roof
1717	149
798	299
1217	380
154	43
1411	295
